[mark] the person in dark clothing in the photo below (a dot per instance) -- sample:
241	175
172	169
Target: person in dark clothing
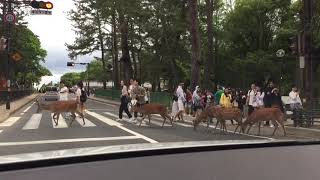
124	102
268	98
241	99
276	99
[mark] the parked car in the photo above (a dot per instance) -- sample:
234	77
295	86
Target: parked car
51	94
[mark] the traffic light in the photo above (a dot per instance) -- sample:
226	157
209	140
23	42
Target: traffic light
41	5
3	43
70	64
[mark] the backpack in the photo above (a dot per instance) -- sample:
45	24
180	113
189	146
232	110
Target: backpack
83	97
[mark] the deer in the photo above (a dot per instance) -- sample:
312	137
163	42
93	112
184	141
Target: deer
149	109
59	107
265	114
223	114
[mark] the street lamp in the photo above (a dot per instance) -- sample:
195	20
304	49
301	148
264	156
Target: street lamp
280	54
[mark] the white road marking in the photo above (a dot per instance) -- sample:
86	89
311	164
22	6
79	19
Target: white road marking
103	119
68	140
61	124
137	134
27	109
88	123
104	103
1	131
146	120
114	123
34	122
10	121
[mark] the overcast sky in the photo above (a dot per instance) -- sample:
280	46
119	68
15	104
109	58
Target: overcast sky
54	31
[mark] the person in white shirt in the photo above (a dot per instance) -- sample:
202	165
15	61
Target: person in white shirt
251	98
131	86
259	98
78	94
124	102
295	105
64	92
181	101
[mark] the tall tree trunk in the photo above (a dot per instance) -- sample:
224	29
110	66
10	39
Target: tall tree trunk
127	65
100	36
115	50
133	55
195	43
209	62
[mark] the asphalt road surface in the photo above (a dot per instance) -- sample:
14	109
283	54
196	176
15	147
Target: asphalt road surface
27	132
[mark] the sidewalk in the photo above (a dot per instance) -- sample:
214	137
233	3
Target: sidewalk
15	106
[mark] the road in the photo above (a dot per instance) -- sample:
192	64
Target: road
27	132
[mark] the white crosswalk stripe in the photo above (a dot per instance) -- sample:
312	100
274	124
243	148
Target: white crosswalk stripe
88	123
103	119
34	122
61	124
9	122
145	120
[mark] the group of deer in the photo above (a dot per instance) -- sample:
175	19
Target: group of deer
256	117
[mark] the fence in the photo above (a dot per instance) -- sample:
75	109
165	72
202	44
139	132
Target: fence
14	95
156	97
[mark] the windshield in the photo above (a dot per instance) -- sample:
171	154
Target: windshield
96	73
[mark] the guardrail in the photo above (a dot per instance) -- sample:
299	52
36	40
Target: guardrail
156	97
14	95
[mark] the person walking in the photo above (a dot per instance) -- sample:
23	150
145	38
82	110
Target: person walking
295	106
81	97
137	93
241	99
147	96
218	95
196	103
251	98
64	92
276	100
189	102
174	108
259	97
268	97
225	100
124	102
181	100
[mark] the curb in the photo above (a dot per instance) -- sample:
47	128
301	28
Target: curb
7	115
105	101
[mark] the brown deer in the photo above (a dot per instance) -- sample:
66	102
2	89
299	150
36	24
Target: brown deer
223	114
205	116
149	109
59	107
265	114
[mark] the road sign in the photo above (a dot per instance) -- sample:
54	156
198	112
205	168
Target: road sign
40	12
10	17
280	53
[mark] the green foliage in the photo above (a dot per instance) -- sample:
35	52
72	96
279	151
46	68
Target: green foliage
71	79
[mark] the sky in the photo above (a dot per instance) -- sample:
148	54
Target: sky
54	31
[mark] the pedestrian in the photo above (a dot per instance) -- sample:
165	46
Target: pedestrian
225	100
64	92
268	97
124	99
209	97
196	103
174	108
81	97
195	93
137	93
218	95
131	86
241	99
251	98
259	97
276	100
295	106
147	96
181	100
189	102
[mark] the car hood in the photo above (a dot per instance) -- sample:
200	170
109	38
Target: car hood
88	151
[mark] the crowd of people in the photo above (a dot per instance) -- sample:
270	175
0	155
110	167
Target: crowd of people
247	101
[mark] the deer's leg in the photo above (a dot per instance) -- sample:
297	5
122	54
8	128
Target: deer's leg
236	129
250	126
275	129
73	115
164	119
144	116
54	118
81	114
216	126
259	128
149	117
208	125
171	120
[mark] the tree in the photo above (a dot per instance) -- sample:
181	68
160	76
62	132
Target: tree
195	43
71	79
